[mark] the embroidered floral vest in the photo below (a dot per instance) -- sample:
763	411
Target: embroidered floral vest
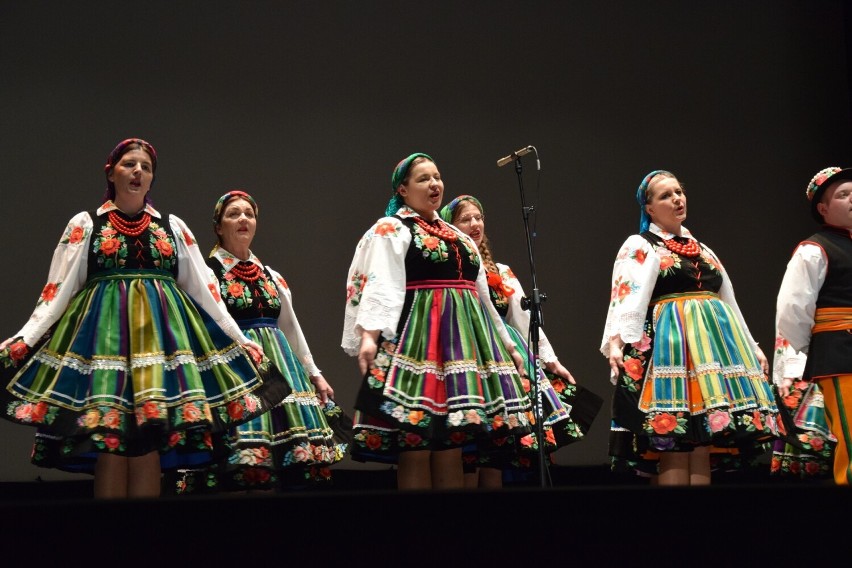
246	299
679	274
432	258
153	249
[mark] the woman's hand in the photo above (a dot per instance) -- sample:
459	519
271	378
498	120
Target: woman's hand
369	348
519	363
255	351
556	368
784	387
616	357
322	388
761	358
14	351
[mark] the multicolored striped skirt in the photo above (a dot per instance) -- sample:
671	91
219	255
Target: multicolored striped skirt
293	444
694	380
568	412
444	381
135	366
807	452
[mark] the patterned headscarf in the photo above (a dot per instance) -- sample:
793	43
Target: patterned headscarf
219	209
450	208
820	182
220	205
642	198
116	155
398	175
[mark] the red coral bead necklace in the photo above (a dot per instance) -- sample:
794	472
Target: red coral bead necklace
247	271
690	249
441	231
129	228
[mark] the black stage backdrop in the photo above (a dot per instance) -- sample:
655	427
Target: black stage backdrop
309	105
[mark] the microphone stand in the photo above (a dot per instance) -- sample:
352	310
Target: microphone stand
534	306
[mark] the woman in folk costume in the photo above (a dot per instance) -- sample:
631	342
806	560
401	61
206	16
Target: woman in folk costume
689	377
293	445
439	368
130	362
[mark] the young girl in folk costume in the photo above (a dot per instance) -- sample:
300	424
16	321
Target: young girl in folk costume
568	409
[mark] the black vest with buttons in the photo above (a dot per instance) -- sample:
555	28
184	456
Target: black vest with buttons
830	352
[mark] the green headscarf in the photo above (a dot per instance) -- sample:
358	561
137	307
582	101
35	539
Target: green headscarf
448	209
399	173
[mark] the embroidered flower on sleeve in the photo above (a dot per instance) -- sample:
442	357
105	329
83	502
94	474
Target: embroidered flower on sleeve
624	252
386	228
214	291
355	289
73	235
187	237
620	290
48	293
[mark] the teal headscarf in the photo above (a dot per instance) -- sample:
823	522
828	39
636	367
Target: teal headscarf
399	173
450	208
642	196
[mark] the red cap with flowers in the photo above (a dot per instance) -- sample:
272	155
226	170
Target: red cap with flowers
820	182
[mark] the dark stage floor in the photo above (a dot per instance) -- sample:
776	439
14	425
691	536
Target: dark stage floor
360	480
586	515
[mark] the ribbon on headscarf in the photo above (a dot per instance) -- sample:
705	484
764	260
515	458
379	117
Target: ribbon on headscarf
220	205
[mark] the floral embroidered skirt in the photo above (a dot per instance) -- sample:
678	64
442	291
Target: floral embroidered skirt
446	380
134	366
298	435
693	380
806	454
568	410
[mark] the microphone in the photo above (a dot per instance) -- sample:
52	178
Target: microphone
516	154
